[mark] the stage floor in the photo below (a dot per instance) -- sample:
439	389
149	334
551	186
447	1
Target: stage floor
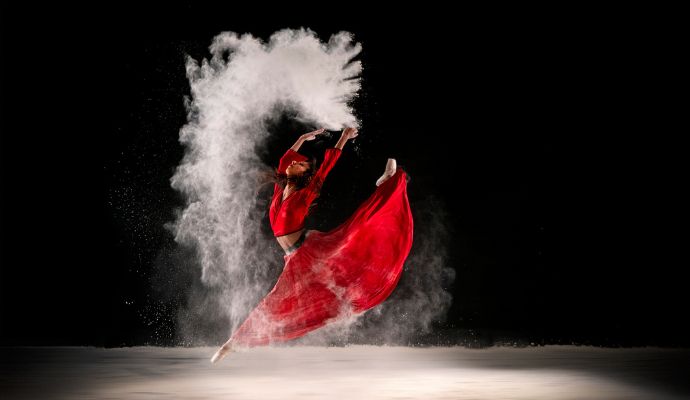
355	372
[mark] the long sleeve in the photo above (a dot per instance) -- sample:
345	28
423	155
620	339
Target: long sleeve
332	155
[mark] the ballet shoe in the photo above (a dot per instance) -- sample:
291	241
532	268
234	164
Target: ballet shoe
221	353
391	167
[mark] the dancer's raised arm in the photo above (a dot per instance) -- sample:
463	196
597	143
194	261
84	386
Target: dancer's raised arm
329	160
307	136
348	133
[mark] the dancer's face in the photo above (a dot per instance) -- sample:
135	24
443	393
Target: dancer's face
297	168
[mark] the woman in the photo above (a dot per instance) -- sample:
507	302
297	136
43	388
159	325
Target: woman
328	275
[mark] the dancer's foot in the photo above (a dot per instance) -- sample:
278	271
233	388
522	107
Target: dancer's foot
222	352
391	167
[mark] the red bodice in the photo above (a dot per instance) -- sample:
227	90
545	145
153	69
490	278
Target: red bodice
287	216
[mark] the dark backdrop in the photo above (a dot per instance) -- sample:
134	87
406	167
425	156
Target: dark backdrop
543	138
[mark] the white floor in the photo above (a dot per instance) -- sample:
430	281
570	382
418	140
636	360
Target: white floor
356	372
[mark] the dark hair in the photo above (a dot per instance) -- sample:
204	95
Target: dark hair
301	181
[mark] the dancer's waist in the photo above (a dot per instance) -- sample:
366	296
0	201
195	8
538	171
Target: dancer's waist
297	243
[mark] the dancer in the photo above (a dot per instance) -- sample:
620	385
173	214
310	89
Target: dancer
334	274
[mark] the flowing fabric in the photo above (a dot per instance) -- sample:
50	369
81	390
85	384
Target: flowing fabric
338	273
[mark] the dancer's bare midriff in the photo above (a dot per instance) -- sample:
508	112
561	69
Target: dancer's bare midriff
286	241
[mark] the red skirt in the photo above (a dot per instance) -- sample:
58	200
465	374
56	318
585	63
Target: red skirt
336	274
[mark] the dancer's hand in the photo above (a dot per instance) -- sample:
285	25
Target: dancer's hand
349	133
307	136
312	135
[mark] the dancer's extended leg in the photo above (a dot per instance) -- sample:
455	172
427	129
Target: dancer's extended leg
223	351
391	167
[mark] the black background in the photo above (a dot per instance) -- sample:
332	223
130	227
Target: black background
545	137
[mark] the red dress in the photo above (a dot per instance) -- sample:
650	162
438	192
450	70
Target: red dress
333	274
